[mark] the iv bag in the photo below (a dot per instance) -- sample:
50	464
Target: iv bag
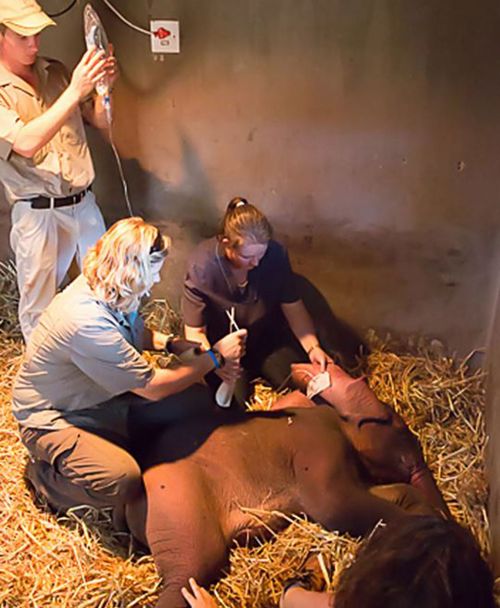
95	36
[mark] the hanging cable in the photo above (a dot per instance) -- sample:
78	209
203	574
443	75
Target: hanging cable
96	38
126	21
65	10
121	172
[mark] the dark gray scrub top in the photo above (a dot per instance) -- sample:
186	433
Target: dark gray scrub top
210	290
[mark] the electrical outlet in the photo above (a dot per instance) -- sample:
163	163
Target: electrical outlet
165	36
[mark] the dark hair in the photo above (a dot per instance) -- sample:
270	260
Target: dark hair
418	562
243	220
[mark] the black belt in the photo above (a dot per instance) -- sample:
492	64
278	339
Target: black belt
45	202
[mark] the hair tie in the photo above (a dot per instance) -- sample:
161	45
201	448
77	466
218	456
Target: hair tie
235	202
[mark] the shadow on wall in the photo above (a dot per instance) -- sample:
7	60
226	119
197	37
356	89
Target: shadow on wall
335	335
189	202
493	424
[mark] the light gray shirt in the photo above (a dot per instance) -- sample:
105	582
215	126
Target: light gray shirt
80	354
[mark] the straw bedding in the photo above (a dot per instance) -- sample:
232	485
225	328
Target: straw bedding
78	561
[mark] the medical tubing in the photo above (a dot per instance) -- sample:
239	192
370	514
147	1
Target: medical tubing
120	168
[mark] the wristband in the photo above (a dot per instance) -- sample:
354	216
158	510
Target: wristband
309	350
217	358
166	348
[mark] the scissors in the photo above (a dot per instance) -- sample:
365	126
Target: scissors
233	326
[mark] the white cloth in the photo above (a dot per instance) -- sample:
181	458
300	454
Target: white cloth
44	242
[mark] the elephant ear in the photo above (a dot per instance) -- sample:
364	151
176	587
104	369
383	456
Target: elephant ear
351	397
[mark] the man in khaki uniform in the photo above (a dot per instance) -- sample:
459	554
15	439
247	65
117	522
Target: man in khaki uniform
45	164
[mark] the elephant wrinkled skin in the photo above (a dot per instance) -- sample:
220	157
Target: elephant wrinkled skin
200	472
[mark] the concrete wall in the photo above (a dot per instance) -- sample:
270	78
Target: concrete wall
493	419
367	130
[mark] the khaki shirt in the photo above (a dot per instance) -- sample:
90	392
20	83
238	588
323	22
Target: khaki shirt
63	166
80	354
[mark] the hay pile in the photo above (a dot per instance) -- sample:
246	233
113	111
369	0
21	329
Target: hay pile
78	562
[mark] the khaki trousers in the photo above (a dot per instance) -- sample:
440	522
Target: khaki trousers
91	461
76	466
44	242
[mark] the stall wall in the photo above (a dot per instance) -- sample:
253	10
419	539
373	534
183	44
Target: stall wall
493	421
367	131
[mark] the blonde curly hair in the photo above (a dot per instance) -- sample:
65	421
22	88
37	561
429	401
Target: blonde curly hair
119	268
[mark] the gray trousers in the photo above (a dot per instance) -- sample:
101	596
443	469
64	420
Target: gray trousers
90	462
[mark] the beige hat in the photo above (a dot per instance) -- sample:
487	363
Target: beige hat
25	17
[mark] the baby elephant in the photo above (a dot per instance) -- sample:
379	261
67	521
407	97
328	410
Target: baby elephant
201	475
385	445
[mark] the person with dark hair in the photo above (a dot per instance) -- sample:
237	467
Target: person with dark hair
418	562
245	271
423	561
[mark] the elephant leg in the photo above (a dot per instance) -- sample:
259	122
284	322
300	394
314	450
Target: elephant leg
330	492
405	497
135	513
424	482
182	529
351	509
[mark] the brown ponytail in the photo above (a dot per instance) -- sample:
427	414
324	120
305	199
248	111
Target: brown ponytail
243	220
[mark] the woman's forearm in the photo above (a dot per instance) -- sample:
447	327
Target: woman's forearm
197	334
298	597
301	324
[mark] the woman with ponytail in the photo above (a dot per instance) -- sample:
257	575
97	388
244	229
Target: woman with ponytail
245	271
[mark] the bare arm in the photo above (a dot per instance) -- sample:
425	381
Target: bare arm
38	132
94	113
294	597
167	382
153	339
302	326
157	340
298	597
197	334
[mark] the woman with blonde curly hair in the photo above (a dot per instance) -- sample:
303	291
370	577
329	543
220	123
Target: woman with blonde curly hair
84	385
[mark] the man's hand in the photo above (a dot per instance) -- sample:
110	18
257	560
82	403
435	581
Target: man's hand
112	69
88	72
198	597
